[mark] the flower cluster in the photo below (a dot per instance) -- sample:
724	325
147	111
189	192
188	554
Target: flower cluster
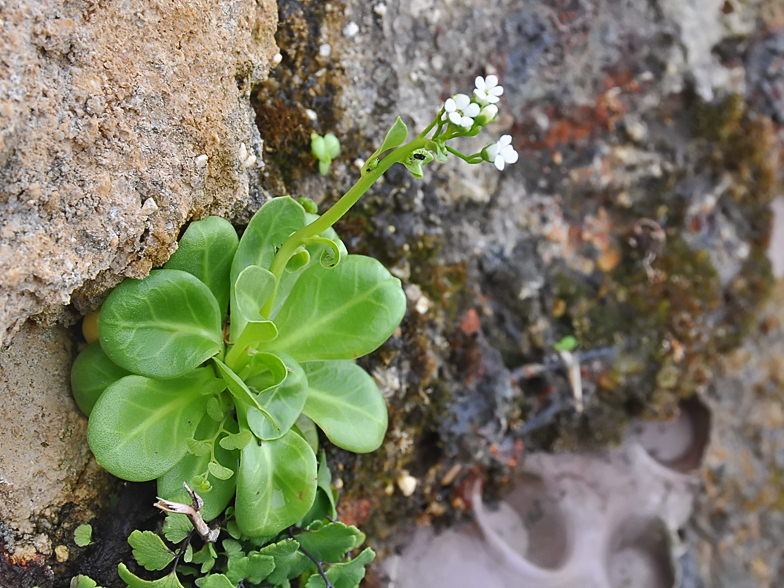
466	116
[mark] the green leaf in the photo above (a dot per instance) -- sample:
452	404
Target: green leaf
253	288
344	575
255	413
331	542
219	471
441	152
264	370
200	448
331	146
233	549
192	469
215	581
206	557
162	326
91	374
236	441
307	428
395	137
259	567
289	561
344	401
339	313
252	335
276	485
139	427
215	408
568	343
284	400
150	550
416	160
133	581
266	232
300	259
83	535
82	581
187	557
176	527
317	146
206	251
325	484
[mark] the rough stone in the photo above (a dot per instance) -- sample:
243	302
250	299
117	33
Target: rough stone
105	109
44	460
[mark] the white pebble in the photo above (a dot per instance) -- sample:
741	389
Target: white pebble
350	29
201	161
149	206
407	483
276	59
325	50
380	9
311	114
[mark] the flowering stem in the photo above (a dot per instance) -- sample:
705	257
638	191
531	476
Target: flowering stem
341	207
475	158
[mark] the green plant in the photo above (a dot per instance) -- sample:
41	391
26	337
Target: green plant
325	149
214	372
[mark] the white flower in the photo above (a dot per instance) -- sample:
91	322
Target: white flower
487	89
502	152
460	111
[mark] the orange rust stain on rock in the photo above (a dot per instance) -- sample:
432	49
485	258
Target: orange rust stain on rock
470	323
355	512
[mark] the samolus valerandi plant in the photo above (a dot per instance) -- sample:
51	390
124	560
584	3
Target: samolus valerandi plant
213	373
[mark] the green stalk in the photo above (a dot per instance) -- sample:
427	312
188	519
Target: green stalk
334	214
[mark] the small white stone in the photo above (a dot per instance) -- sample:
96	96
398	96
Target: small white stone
276	59
325	50
380	9
149	206
422	305
351	29
249	161
243	152
407	483
321	72
413	76
359	162
311	114
201	161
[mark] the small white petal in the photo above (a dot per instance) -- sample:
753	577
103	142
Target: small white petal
461	100
467	122
472	110
505	140
480	83
509	154
497	91
450	105
499	163
455	118
491	81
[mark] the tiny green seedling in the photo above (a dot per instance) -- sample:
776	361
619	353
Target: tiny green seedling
325	149
214	372
83	535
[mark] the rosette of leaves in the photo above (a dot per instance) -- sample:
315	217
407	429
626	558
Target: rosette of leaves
214	371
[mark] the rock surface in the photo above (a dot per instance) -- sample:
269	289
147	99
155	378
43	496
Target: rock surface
105	109
636	219
119	122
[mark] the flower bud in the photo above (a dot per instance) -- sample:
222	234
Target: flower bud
487	115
